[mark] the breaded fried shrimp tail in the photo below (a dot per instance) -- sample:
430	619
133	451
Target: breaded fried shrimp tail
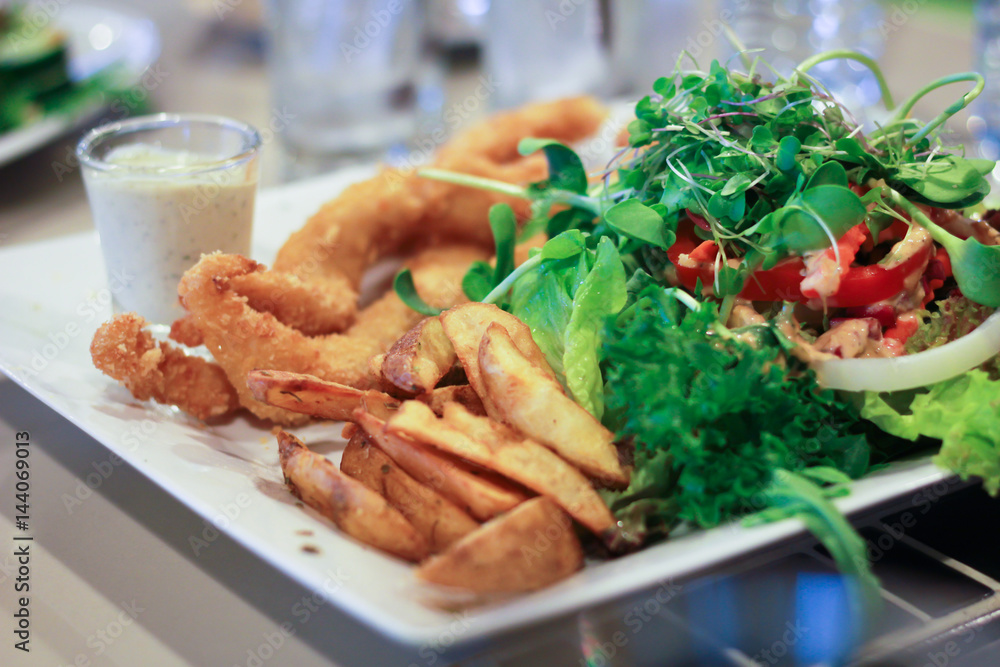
126	351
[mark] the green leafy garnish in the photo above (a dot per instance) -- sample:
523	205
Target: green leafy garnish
566	170
407	291
633	220
772	168
793	494
481	278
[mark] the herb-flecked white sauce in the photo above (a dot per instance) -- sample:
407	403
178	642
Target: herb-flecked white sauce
154	225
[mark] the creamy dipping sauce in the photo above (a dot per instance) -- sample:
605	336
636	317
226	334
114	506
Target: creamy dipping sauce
156	218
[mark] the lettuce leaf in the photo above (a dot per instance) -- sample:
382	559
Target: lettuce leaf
963	413
565	301
601	294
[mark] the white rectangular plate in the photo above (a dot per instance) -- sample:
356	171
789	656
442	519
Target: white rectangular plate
54	297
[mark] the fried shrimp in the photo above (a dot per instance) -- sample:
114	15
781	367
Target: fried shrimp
126	351
306	306
397	211
243	339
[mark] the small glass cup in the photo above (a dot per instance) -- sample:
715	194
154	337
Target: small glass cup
164	189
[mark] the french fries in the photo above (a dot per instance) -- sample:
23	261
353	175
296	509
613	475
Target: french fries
440	521
528	548
498	448
527	398
419	474
478	492
465	325
418	360
356	509
312	396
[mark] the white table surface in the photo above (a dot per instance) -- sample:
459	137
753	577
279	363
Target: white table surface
125	546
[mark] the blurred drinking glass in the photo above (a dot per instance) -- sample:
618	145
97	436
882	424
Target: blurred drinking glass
344	78
786	32
543	49
985	122
647	37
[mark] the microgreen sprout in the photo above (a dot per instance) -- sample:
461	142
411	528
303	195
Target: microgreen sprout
773	168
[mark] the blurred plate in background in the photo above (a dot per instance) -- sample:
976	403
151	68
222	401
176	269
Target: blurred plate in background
99	38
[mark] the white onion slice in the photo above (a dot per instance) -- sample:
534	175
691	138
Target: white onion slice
914	370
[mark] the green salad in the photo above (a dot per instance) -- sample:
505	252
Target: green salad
749	235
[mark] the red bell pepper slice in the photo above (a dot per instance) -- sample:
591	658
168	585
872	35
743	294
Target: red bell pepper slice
860	285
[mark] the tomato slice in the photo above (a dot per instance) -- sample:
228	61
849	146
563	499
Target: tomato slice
860	285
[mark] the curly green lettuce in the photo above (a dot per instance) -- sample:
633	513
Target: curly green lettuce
717	412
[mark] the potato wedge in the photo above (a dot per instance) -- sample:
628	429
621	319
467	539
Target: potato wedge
375	368
526	398
499	448
479	492
435	517
417	361
356	509
310	395
463	394
528	548
465	325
